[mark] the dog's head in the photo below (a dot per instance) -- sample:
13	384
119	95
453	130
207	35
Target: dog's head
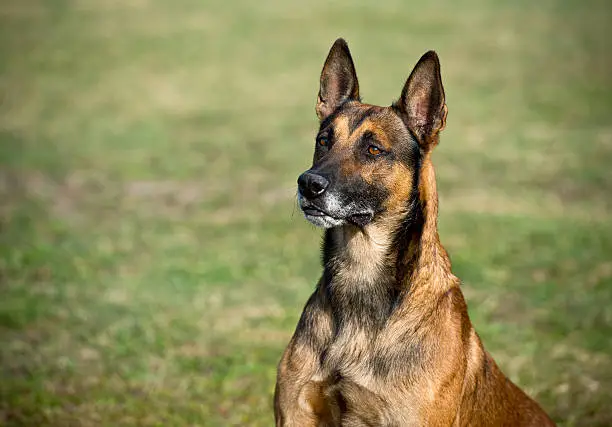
367	158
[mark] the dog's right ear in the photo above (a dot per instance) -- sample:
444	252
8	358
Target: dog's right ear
338	80
422	103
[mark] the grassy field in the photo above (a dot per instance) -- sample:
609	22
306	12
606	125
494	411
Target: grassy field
152	262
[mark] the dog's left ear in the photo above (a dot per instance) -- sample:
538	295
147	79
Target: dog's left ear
422	101
338	80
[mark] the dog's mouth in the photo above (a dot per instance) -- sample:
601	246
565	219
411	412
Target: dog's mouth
319	216
314	211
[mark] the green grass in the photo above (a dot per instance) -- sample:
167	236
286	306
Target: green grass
152	263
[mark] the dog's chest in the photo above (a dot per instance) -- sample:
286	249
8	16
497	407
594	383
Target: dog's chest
368	357
358	375
349	354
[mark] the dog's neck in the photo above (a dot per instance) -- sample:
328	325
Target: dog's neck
430	265
370	270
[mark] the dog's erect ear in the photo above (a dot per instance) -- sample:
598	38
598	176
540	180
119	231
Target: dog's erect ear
422	101
338	80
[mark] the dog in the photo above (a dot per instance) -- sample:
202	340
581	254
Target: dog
385	339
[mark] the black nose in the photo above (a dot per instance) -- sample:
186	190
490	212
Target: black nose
312	185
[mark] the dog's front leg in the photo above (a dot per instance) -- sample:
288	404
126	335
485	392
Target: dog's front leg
299	400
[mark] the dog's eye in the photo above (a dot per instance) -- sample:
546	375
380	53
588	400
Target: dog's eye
322	142
374	150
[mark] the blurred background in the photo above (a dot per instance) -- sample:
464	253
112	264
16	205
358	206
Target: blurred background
152	262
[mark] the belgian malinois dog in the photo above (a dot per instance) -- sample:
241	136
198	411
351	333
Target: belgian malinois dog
385	339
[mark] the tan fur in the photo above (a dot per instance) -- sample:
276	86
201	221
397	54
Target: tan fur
366	252
424	365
